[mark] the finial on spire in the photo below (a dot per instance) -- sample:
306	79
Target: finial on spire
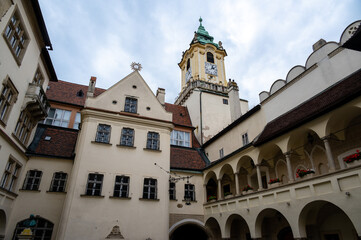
200	21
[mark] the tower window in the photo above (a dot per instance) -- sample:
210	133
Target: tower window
245	139
210	57
188	63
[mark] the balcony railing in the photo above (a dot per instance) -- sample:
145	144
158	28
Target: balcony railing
323	185
36	102
202	85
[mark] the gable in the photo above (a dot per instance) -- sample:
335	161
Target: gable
132	86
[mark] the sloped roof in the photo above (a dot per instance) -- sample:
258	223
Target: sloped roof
180	115
333	97
61	143
186	158
67	92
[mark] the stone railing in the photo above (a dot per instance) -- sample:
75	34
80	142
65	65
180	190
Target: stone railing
36	102
201	85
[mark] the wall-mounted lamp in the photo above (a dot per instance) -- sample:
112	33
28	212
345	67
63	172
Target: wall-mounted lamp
247	209
288	204
348	194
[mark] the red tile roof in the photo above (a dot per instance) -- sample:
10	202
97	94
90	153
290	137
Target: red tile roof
61	143
186	158
66	92
336	95
180	114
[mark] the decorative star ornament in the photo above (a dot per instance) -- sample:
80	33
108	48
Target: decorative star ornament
136	66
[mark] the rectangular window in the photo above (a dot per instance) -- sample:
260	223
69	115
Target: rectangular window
127	137
225	101
58	117
77	120
153	140
180	138
32	180
16	36
103	133
121	187
38	77
172	195
7	99
221	153
23	127
130	105
94	185
150	188
245	139
59	181
189	192
11	173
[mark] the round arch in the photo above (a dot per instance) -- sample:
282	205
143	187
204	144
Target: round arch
341	119
192	227
213	227
237	227
272	224
326	220
2	222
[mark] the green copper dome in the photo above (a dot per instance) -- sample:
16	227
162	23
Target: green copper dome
202	36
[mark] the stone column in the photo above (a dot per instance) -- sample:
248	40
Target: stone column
237	182
220	197
289	167
331	162
259	177
205	193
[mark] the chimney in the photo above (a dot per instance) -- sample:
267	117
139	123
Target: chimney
161	95
318	44
234	104
91	87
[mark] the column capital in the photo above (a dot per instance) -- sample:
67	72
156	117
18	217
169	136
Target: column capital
326	138
288	153
236	173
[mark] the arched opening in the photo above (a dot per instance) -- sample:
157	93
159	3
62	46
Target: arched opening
189	231
2	223
273	225
237	228
324	220
210	57
245	166
211	186
213	227
227	182
41	228
188	64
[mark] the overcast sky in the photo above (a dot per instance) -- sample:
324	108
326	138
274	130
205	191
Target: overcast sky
264	39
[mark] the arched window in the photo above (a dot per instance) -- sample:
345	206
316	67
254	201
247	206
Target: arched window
188	64
210	57
41	228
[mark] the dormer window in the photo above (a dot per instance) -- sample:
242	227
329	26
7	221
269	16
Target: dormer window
130	105
188	64
80	93
210	57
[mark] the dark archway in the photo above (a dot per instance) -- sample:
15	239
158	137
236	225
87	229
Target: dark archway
237	228
325	220
189	232
213	227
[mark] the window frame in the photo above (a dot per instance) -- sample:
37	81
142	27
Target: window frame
172	191
7	103
32	186
56	182
38	78
61	119
221	153
210	57
191	190
17	41
10	175
24	126
245	139
105	132
127	139
179	141
147	188
97	185
123	186
43	228
76	124
152	141
131	105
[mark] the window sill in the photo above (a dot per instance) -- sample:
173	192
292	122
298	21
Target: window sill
2	123
28	190
153	150
121	198
55	192
149	199
91	196
103	143
8	192
133	113
125	146
18	140
173	200
194	201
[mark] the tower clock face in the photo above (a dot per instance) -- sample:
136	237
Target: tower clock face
211	68
188	74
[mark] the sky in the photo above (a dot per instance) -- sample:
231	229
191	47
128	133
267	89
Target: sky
264	39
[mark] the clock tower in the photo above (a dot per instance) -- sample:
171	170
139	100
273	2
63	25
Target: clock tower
203	60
